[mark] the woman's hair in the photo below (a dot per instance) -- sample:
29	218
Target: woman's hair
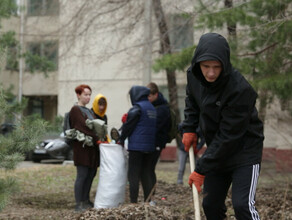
79	89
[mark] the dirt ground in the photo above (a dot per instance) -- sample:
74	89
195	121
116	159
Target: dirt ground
274	202
178	204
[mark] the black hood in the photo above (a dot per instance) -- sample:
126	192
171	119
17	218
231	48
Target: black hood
212	46
160	100
139	93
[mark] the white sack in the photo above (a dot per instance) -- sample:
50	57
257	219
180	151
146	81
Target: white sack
112	176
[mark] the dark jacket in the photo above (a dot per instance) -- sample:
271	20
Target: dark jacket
224	110
163	121
83	156
141	122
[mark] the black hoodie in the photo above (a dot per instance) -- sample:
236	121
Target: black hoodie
224	110
163	123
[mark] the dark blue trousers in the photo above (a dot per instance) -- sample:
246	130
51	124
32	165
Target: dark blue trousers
243	181
140	169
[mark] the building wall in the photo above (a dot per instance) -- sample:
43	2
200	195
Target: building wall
112	74
37	84
109	58
99	56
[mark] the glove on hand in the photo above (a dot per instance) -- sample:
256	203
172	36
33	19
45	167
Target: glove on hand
188	140
196	151
124	117
197	180
102	142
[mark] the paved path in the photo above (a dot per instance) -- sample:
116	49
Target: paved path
27	164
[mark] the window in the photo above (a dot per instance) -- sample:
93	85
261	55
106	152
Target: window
13	7
47	50
35	106
43	7
8	41
11	59
180	31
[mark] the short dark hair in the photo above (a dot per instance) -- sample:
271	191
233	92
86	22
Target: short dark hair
102	101
79	89
153	88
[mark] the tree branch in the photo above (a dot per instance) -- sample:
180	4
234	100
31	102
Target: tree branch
258	52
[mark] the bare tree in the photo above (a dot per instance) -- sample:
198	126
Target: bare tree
98	30
166	49
125	16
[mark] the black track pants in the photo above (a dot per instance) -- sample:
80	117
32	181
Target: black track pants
244	182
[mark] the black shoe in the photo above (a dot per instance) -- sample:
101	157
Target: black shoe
79	207
87	204
90	203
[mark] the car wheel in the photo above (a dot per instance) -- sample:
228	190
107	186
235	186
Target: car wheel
70	155
36	160
28	155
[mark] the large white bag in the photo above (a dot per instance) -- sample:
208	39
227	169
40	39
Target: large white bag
112	176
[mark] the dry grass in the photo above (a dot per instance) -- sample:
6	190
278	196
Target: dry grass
46	191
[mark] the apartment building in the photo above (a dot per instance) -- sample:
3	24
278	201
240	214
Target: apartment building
90	45
106	46
39	21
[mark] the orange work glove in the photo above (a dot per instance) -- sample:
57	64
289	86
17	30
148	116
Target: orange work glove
197	180
188	140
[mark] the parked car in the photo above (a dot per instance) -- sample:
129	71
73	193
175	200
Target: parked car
52	148
6	128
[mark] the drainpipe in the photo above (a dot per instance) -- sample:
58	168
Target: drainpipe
21	59
147	49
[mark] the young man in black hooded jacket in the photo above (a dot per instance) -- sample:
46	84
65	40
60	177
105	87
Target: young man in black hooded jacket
222	103
163	123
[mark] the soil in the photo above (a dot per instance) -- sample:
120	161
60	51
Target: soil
175	202
172	202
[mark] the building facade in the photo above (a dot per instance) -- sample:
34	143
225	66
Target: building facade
107	46
91	43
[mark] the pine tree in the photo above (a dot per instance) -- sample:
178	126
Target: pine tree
260	43
26	132
16	144
262	46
